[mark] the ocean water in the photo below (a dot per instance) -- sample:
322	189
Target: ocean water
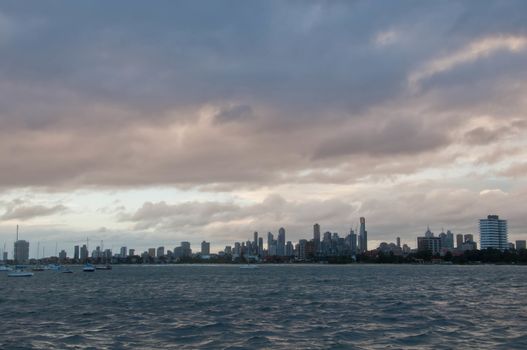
273	307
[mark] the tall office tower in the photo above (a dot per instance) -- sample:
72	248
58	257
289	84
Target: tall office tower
131	252
260	247
185	249
21	252
255	242
469	238
449	240
76	255
443	238
493	233
160	252
289	249
122	254
520	244
353	244
4	257
205	248
363	236
280	246
270	239
316	238
459	241
302	249
63	255
399	242
84	253
237	248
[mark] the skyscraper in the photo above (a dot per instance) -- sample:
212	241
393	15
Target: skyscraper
353	243
160	251
316	238
449	240
363	236
280	246
21	252
76	253
84	253
399	242
205	248
260	247
185	249
122	254
459	241
493	233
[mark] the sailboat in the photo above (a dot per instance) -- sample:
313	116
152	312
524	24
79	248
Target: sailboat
87	266
38	267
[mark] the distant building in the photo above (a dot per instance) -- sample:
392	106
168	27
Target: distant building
21	252
280	245
289	249
160	252
387	248
316	237
122	254
468	238
152	252
459	240
84	253
76	253
301	251
4	256
511	246
399	242
131	252
520	244
449	243
429	243
260	247
493	233
205	247
63	255
185	249
363	236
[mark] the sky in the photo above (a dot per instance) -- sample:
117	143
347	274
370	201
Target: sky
147	124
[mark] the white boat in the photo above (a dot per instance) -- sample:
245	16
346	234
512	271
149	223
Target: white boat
5	268
20	273
88	268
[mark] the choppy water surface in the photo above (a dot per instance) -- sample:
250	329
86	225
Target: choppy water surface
338	307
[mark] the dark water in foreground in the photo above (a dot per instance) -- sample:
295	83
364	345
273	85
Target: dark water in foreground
315	307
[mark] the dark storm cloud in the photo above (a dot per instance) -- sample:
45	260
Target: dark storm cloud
124	93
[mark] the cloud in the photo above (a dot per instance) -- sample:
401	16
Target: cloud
475	50
234	114
262	98
17	210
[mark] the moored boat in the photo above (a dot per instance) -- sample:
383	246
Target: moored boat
20	273
88	268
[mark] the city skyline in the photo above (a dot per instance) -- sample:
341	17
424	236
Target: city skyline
280	246
185	121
